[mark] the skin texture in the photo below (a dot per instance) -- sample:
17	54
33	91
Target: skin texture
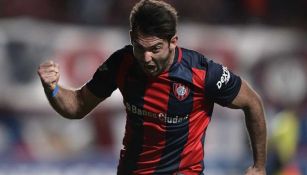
69	103
250	102
155	55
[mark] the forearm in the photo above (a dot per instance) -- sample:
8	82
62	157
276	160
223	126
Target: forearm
72	104
66	102
256	126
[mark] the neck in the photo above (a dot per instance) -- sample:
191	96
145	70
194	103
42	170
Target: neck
171	58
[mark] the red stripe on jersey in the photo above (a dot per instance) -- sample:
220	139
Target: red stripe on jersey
155	101
123	68
199	78
179	55
192	155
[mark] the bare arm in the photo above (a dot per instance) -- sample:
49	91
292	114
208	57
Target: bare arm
70	103
73	104
251	103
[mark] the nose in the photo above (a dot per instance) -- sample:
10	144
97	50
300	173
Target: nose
147	56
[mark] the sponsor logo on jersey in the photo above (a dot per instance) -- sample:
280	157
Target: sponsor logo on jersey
224	78
181	91
163	117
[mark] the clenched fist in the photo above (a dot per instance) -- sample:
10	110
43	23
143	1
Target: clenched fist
49	74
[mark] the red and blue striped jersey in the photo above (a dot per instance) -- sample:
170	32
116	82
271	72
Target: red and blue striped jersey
167	115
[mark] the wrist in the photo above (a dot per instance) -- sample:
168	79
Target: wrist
51	91
259	166
259	161
55	91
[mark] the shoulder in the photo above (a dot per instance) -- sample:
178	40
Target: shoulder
127	49
119	56
194	59
198	60
124	51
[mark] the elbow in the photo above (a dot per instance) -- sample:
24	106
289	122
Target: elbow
258	100
73	115
255	103
255	99
77	111
254	111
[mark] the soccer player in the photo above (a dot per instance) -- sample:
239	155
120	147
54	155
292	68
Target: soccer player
169	93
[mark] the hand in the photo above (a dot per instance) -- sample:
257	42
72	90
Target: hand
255	171
49	75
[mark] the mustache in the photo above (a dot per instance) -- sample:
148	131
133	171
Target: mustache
149	64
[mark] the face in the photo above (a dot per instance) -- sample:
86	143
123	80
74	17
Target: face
154	54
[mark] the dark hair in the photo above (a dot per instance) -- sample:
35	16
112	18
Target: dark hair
154	18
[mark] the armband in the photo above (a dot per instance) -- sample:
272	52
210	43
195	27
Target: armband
55	91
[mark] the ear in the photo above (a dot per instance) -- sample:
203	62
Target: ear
131	36
173	42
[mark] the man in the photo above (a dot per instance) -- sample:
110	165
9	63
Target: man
169	94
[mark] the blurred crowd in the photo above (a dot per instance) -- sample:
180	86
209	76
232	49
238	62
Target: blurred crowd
116	12
265	41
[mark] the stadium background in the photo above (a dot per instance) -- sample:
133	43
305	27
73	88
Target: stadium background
265	41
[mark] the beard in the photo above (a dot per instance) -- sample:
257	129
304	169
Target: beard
158	66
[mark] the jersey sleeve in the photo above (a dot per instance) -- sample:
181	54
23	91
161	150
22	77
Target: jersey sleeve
221	85
103	82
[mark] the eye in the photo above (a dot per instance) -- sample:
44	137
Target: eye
156	49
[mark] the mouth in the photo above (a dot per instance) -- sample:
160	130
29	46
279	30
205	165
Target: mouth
150	68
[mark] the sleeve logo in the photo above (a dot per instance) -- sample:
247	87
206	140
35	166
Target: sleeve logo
224	78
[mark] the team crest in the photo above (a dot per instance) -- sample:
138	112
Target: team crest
181	91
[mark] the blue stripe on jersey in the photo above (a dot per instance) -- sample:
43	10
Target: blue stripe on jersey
176	135
134	146
133	92
203	143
